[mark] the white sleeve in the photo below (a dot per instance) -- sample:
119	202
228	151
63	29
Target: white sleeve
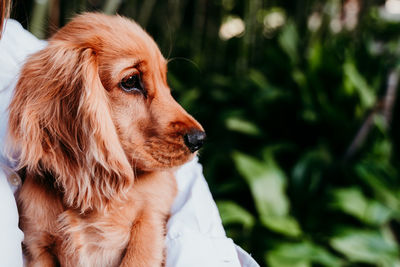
16	44
10	235
195	235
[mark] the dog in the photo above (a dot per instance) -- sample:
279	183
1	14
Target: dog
98	136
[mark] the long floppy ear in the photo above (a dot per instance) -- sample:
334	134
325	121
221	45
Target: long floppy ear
60	123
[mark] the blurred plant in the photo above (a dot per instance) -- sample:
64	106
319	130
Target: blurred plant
298	100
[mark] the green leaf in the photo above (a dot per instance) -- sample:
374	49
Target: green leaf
380	123
315	55
353	202
233	213
258	78
366	246
288	40
301	254
242	126
267	184
300	78
286	225
355	79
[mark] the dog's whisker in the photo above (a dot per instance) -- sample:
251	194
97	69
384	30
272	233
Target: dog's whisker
185	59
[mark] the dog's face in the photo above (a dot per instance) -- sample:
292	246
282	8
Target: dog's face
154	130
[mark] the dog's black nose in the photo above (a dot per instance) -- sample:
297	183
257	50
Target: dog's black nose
194	139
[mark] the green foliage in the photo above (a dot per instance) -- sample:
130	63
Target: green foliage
267	184
242	126
301	254
354	82
367	246
232	213
302	154
353	202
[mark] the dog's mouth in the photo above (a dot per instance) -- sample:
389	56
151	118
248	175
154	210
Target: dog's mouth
163	151
171	161
158	154
168	153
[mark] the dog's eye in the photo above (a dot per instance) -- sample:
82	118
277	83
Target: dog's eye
131	83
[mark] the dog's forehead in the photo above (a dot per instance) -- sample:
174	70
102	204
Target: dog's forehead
129	41
134	52
137	45
112	35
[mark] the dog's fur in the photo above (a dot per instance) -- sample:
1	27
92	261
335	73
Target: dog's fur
98	161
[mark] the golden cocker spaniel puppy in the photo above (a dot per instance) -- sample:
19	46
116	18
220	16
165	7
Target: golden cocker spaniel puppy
97	136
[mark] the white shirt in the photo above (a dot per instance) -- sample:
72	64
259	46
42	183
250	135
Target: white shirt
195	235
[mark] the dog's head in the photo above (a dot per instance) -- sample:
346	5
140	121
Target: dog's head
94	106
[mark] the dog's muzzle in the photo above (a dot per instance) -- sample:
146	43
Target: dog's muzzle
194	139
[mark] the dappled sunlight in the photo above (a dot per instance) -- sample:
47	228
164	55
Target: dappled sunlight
393	7
232	27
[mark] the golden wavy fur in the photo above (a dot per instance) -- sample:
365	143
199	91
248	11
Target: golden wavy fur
98	159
